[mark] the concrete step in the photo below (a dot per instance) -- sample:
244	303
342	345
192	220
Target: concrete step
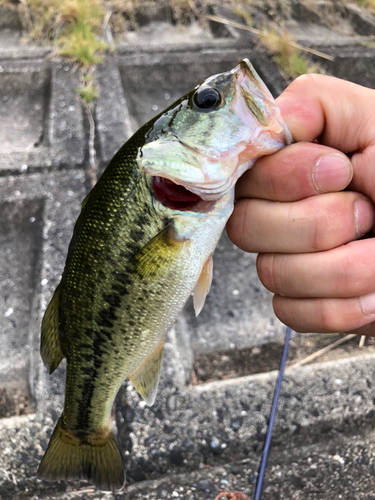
199	438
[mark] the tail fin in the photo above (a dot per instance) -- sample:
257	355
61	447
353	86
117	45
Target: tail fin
96	457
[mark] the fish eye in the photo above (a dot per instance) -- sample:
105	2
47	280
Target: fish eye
207	99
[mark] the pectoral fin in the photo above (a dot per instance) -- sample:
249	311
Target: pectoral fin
50	348
146	378
203	286
159	255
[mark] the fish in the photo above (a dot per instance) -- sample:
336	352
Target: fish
142	244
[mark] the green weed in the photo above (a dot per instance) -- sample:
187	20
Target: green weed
81	44
88	93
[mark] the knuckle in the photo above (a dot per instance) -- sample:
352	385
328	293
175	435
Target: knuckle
272	183
329	320
288	312
243	226
278	305
266	271
237	225
326	229
277	272
329	221
317	235
347	279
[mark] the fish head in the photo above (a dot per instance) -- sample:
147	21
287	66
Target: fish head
207	139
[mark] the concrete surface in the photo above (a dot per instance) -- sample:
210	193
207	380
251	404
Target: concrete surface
197	440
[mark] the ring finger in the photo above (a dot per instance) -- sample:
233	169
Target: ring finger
343	272
327	315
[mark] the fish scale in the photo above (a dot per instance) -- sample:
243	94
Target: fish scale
118	240
140	246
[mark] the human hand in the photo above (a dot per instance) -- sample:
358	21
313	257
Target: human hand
310	257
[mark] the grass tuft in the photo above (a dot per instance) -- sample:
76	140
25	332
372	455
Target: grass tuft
74	27
39	19
244	14
81	45
88	89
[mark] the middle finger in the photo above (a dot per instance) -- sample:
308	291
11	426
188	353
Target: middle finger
310	225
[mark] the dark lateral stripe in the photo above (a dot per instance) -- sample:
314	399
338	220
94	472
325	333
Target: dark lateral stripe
105	318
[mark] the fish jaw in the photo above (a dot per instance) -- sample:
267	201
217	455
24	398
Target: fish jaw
207	152
256	108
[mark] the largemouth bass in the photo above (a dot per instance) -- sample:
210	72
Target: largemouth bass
143	242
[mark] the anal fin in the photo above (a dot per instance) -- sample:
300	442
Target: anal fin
50	348
146	377
203	285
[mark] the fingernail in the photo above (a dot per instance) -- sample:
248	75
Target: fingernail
363	216
368	303
332	172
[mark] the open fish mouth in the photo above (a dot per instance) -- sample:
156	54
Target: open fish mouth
182	196
174	196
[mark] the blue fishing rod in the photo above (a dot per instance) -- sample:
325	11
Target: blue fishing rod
267	442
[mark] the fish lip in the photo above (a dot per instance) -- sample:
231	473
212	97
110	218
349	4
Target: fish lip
195	150
216	189
211	191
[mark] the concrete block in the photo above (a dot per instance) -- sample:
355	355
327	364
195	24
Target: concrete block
38	213
113	120
42	124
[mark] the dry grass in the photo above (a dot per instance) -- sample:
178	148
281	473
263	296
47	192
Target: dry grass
74	25
289	58
124	12
368	4
75	28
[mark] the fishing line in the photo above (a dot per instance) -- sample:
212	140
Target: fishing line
267	442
